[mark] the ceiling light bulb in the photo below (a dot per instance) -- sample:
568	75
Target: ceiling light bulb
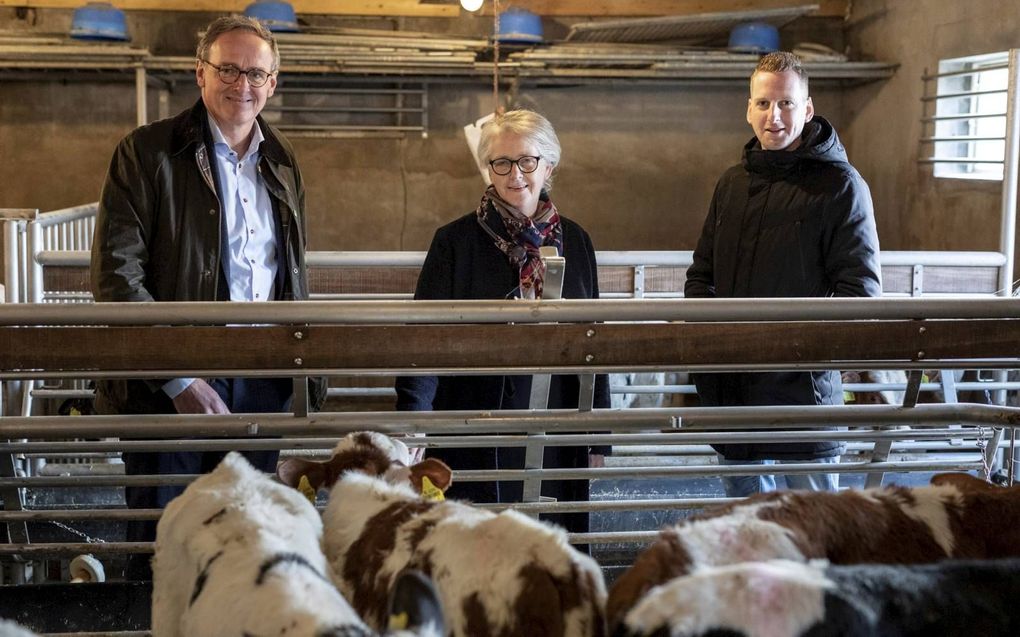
471	5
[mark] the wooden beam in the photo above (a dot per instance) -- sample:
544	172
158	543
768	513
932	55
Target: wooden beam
408	8
644	8
815	345
416	8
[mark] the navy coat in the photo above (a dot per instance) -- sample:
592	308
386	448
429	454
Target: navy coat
463	262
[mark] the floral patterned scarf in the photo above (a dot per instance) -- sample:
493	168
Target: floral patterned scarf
530	233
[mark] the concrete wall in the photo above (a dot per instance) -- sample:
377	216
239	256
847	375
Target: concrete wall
916	210
639	162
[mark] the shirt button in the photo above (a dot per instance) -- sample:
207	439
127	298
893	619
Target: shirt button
253	260
212	211
206	273
256	296
245	200
295	270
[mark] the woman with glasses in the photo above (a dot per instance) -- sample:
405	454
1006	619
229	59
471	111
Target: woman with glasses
493	253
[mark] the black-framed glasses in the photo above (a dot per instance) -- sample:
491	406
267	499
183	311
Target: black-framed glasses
503	166
228	74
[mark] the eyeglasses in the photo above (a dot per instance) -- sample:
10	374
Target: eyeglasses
228	74
503	166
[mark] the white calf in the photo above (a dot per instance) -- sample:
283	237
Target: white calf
238	555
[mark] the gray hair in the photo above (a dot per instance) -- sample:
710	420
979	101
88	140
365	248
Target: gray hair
781	62
527	124
225	24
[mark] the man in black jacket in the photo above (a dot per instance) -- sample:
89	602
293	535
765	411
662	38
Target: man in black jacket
794	219
206	206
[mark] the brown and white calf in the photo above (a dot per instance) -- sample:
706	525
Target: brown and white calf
959	516
781	598
239	555
497	574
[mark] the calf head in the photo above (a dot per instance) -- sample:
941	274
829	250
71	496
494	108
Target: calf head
367	452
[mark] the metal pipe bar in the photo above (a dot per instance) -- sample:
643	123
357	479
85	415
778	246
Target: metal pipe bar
606	258
848	386
986	69
315	90
963	138
517	475
956	160
65	215
565	310
454	441
341	109
440	422
947	96
940	118
1010	179
75	548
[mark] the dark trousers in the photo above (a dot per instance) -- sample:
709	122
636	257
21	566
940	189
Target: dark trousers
241	395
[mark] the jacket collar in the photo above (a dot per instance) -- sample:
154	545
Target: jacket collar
191	128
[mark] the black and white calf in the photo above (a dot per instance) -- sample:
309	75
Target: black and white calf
782	598
239	555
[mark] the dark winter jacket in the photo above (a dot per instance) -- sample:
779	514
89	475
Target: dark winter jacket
158	232
786	224
464	263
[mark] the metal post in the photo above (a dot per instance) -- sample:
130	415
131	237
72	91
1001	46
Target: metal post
141	96
1010	163
35	271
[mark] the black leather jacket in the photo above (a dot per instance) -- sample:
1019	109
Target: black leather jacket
157	234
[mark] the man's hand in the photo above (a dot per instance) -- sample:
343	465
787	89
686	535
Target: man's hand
596	460
200	398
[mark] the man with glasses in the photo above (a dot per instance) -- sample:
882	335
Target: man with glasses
205	206
794	219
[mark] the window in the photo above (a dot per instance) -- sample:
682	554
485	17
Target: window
969	125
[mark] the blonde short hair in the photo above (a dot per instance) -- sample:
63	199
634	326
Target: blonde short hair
527	124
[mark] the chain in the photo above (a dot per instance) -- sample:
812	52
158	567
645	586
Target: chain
73	531
495	57
982	445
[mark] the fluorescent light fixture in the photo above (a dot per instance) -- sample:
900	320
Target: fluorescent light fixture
471	5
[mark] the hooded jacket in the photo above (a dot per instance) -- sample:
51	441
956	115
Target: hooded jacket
158	231
783	224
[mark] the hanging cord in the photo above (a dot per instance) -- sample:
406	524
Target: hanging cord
495	57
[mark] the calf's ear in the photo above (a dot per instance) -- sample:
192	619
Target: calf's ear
437	471
291	471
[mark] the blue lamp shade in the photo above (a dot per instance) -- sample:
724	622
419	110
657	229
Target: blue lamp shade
754	37
518	25
278	17
99	21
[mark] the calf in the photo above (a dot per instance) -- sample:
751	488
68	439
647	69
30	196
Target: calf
238	555
11	629
792	599
504	574
959	517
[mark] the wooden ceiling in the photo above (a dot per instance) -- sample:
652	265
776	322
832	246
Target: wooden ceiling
451	8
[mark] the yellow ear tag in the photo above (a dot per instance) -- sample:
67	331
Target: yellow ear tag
398	622
848	397
430	491
75	411
305	487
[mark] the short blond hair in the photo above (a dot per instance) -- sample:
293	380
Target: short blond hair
781	62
